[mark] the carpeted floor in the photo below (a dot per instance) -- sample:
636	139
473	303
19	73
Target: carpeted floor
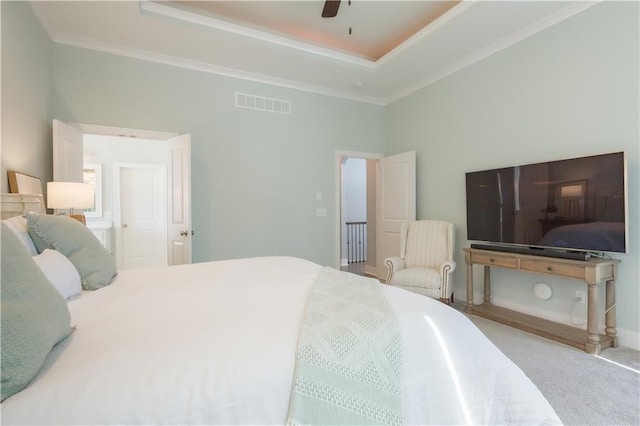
582	388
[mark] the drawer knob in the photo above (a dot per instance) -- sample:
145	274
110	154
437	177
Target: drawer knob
492	260
549	268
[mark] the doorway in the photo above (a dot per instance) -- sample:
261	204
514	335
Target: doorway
171	150
131	170
356	189
391	201
358	243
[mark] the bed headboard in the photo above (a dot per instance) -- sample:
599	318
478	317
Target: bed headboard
17	204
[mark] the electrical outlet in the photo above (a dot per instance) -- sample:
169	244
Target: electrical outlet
580	296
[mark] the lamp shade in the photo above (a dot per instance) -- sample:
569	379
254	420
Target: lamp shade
70	195
571	191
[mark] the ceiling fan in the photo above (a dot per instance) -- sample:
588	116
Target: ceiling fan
330	9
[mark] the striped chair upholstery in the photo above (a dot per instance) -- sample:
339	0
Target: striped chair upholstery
426	259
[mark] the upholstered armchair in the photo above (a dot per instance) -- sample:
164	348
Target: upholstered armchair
426	259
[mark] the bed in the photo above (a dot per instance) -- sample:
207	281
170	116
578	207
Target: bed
220	343
597	236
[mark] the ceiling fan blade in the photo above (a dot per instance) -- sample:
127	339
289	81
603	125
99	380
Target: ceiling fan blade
330	9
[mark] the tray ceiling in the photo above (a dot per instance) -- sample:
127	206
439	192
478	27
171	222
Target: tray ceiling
395	47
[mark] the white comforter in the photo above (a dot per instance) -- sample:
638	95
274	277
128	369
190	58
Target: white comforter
214	343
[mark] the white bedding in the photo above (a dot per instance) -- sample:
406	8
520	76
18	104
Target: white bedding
214	343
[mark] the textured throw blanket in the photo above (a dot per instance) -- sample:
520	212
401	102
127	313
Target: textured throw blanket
348	361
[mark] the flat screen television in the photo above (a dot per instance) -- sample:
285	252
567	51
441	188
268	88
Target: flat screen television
574	205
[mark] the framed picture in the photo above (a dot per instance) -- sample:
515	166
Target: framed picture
92	174
19	183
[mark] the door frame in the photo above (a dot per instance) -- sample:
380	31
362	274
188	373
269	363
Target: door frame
117	218
340	155
123	132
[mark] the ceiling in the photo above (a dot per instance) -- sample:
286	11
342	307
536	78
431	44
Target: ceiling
376	30
395	47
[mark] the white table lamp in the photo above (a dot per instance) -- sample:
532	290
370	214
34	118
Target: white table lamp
70	195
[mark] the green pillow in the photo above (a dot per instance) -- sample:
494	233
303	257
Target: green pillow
34	315
73	239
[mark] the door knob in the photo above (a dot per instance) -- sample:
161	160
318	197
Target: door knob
184	233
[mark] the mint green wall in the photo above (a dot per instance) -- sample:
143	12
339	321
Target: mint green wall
255	174
26	88
569	91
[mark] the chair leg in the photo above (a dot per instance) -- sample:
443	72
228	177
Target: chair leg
447	301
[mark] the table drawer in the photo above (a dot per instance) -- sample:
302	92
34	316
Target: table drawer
495	260
552	268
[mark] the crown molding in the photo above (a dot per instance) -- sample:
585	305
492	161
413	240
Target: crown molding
438	23
43	20
541	25
175	11
208	68
559	16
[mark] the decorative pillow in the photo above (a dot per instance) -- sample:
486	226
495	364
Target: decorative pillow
73	239
18	224
60	272
34	315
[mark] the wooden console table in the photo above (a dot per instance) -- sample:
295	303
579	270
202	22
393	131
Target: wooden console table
593	272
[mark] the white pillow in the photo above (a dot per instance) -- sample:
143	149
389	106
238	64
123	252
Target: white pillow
74	240
18	224
60	271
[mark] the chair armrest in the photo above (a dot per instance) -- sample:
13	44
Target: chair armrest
447	283
447	267
393	264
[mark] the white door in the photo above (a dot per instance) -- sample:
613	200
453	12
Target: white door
396	203
141	215
180	231
68	162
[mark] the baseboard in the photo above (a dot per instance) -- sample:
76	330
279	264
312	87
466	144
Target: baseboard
629	339
371	271
551	316
344	262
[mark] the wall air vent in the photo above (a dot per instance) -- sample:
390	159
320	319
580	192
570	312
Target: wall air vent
279	106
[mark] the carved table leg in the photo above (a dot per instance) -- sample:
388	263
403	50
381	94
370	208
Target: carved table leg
467	308
593	345
487	284
610	318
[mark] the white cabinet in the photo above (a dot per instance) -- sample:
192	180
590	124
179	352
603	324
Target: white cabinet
103	230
